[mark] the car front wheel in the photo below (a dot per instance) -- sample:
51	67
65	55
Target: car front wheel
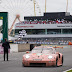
23	65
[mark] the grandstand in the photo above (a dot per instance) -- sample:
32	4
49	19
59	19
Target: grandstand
55	26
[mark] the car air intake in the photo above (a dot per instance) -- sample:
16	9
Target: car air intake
37	64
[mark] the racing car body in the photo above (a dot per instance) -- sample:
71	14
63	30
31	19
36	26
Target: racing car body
43	56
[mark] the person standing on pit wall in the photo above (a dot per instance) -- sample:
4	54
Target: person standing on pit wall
6	47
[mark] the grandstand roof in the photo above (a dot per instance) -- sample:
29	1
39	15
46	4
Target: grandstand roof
51	15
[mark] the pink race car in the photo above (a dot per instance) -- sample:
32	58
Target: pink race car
42	56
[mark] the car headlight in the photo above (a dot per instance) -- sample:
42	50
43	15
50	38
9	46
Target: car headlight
50	57
27	56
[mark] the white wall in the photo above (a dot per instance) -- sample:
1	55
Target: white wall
14	48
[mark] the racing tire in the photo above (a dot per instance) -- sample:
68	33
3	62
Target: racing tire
56	62
23	65
62	60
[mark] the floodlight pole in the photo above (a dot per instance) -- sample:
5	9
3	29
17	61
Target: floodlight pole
67	7
34	7
45	6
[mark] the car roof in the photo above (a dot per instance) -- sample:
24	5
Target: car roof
43	47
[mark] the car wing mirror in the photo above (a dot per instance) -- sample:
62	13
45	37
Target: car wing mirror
27	51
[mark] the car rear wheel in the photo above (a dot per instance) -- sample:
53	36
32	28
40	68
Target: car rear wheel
62	60
56	62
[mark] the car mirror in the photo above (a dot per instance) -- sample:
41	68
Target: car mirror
27	51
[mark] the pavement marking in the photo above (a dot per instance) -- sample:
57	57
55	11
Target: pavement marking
67	70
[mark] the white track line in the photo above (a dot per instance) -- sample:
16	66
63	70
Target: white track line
67	70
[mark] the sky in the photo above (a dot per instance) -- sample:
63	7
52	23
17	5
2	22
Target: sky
56	5
26	8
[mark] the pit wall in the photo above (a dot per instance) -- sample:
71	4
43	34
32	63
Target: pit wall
13	48
23	47
29	47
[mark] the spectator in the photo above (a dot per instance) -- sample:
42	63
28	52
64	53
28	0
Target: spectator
6	47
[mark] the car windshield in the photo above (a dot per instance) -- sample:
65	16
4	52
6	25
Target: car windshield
48	51
43	50
37	50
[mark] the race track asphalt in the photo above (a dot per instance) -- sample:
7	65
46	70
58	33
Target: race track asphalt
15	63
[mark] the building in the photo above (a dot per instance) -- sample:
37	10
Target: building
55	25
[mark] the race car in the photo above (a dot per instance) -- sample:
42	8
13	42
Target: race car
42	56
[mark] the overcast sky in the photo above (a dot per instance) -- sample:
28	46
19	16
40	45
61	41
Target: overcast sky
26	7
56	5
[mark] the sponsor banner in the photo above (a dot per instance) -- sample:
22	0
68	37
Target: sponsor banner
1	49
43	26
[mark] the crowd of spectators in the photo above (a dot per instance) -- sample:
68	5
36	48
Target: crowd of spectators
43	41
56	21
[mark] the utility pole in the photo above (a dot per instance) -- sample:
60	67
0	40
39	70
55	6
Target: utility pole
67	7
34	7
45	6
